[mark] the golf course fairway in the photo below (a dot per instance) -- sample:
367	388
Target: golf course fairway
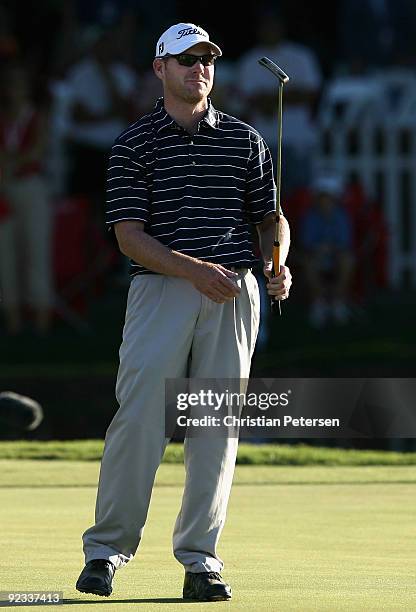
297	538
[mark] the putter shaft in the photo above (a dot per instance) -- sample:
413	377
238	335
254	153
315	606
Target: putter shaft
283	78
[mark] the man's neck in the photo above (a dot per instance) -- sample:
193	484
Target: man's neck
186	115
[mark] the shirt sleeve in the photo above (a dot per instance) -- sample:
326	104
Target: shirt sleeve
260	188
127	187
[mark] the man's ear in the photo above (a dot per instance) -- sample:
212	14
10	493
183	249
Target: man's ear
158	68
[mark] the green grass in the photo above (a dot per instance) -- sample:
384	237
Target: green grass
248	454
63	474
300	538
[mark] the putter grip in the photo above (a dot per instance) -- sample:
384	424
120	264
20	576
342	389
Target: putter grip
275	304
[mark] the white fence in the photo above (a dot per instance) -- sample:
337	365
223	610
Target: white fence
368	130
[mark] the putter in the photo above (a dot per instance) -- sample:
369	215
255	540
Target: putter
282	78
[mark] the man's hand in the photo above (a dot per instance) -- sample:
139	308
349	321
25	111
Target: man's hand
278	286
214	281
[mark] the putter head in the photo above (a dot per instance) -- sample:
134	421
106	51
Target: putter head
274	68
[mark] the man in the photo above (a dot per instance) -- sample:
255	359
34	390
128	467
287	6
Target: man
184	183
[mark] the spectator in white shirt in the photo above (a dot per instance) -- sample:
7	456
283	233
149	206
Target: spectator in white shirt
102	92
259	90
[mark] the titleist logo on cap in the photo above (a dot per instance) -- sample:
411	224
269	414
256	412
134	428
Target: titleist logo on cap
182	36
189	31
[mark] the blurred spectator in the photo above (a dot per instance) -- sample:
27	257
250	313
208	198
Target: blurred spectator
104	12
326	241
375	33
150	90
226	93
25	230
102	91
371	238
260	89
122	16
25	265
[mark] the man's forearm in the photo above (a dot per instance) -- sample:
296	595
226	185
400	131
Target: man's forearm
284	239
212	280
153	255
266	231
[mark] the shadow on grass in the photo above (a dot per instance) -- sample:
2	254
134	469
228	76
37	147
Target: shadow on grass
130	601
145	600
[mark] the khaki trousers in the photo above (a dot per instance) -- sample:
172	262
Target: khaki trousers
171	330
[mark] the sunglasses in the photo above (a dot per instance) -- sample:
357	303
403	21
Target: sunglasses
188	60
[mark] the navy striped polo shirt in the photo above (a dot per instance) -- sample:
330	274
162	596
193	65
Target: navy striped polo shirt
197	194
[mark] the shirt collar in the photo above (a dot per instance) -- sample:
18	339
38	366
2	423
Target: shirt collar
163	121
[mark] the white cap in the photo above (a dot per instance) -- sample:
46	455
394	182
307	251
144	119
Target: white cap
180	37
328	183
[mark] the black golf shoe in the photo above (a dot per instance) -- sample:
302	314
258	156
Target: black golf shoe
205	586
97	578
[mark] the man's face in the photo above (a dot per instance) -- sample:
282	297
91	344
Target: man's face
188	84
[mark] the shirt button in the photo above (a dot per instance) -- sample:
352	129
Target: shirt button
191	142
194	163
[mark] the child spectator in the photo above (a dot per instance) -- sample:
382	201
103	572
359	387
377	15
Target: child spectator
326	241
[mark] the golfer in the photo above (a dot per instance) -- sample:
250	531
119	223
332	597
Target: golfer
185	184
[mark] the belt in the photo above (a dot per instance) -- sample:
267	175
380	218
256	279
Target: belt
238	269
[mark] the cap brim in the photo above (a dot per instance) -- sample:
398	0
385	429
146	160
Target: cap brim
181	46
